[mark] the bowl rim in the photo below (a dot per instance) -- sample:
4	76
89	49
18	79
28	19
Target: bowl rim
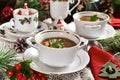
68	32
87	12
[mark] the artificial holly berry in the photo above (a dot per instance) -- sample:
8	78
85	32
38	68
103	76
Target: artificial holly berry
19	75
40	74
10	73
7	12
43	78
34	77
23	78
18	66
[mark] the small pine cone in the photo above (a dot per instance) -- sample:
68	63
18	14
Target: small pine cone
20	46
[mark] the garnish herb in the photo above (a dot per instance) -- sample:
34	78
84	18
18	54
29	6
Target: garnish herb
93	18
57	43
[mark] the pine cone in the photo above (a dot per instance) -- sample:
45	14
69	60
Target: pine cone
20	46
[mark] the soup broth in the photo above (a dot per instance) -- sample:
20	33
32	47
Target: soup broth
58	42
88	18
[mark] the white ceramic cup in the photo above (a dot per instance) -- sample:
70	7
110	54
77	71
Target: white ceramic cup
57	57
25	23
90	29
61	9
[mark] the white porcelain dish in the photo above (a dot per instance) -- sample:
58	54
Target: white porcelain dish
80	62
108	32
18	34
12	37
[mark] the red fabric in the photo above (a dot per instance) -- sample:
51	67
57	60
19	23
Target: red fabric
115	22
98	58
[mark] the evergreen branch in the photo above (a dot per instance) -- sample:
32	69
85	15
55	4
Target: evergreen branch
7	56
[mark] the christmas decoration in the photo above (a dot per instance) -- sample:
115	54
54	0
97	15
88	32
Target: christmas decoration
59	21
7	57
21	45
112	44
106	6
18	66
36	4
22	71
7	12
25	10
110	70
116	7
25	20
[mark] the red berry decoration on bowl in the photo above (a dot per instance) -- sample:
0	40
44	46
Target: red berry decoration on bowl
19	12
7	12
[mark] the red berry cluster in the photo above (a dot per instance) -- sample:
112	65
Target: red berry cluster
18	73
38	76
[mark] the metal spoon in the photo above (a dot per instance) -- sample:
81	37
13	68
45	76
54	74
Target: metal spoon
93	43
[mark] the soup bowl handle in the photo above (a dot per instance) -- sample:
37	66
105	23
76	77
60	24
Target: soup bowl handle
84	42
29	42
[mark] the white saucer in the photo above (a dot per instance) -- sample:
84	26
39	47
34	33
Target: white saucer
109	31
19	34
80	62
12	37
5	36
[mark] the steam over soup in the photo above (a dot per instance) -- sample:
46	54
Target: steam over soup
58	42
90	18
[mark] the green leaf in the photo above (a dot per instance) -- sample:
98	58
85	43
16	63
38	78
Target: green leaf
57	43
93	18
26	68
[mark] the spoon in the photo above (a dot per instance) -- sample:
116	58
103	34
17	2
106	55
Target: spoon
93	43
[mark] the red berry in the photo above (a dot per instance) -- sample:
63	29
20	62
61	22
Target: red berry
43	78
19	75
30	13
33	77
18	66
23	78
10	72
40	74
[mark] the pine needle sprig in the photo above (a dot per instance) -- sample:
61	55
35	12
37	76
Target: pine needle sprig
7	57
112	44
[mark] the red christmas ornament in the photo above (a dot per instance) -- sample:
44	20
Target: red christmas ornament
18	66
10	73
7	12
